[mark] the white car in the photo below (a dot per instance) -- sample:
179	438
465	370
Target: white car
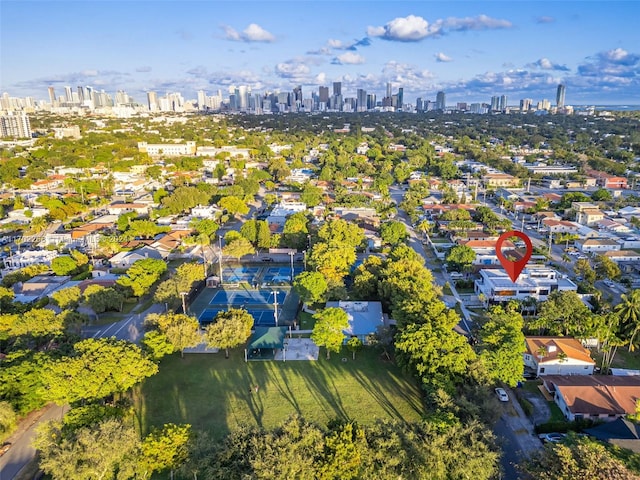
609	283
552	437
502	395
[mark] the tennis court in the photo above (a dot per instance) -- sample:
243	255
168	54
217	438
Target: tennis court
239	298
240	274
275	274
264	318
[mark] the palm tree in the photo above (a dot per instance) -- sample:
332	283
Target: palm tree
628	311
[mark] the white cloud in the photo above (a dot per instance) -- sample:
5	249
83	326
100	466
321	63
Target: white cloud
335	43
413	28
481	22
616	55
321	78
292	69
546	64
348	58
253	33
89	73
403	29
441	57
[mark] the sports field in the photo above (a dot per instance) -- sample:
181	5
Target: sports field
218	395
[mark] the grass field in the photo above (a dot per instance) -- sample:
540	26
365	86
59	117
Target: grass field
215	394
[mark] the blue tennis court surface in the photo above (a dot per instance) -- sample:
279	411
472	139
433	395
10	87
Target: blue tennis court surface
264	318
240	274
279	274
240	298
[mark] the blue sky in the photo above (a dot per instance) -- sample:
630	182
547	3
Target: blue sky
470	50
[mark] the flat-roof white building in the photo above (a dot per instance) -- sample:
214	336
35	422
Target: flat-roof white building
167	149
537	281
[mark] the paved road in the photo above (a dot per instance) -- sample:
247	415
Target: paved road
516	435
128	329
21	452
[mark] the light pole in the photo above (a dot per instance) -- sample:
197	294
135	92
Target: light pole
184	302
291	254
220	257
275	306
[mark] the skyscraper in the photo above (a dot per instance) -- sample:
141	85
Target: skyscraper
152	99
323	94
560	96
440	101
68	94
337	88
361	101
52	95
400	98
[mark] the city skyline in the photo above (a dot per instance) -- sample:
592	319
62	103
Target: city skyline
472	51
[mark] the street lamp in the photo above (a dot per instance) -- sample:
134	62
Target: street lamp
220	257
291	254
184	301
275	306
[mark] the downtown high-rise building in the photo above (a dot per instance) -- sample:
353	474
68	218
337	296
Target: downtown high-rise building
400	101
361	100
441	103
560	96
52	95
323	94
152	101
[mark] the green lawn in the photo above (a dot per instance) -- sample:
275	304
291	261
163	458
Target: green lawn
214	394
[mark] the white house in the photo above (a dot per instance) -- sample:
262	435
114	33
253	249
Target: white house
30	257
537	281
126	259
597	245
208	211
557	356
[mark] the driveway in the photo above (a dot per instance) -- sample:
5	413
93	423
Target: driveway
541	410
516	435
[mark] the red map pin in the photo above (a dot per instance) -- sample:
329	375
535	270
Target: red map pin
514	269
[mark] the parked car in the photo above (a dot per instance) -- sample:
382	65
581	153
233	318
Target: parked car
553	437
609	283
456	275
267	259
502	395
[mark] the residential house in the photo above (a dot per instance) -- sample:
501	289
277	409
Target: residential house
486	247
126	259
589	216
38	287
536	281
496	180
596	397
365	318
29	257
612	226
596	245
122	208
282	211
557	356
619	256
606	180
205	211
560	226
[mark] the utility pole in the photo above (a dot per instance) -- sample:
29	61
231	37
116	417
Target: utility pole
291	254
220	257
184	302
275	306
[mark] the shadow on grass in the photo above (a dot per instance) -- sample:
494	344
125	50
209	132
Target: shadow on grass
218	395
